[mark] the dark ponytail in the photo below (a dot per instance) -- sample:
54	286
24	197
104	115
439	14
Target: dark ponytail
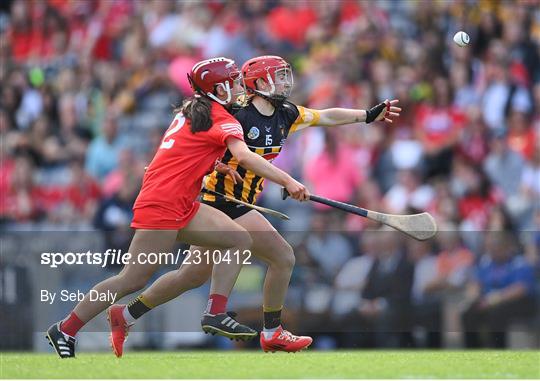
198	110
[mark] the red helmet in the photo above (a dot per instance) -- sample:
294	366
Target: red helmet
272	69
207	75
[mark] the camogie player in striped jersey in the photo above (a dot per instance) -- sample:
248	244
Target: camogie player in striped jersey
167	210
267	121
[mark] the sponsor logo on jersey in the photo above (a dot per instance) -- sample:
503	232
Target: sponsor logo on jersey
253	133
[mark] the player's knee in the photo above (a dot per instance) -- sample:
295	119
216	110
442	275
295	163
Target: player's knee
243	240
237	239
285	259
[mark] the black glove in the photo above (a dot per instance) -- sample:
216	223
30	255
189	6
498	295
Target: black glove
373	112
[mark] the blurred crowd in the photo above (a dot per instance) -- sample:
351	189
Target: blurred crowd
88	88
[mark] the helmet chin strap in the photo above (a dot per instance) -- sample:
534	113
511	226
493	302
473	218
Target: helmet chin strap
270	96
227	88
272	87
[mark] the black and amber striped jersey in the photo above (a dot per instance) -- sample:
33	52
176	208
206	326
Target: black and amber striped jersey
264	135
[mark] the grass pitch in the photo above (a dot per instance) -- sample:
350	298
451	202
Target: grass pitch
339	364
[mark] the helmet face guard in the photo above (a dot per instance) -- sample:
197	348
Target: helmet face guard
281	85
238	81
275	71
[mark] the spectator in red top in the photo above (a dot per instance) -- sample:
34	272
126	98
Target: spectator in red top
520	135
20	33
82	193
472	144
291	22
22	202
35	30
477	201
438	126
109	22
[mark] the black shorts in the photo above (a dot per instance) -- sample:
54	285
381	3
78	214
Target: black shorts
231	209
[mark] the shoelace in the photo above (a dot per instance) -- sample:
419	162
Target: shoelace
286	335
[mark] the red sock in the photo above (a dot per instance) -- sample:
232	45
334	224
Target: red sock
216	304
71	325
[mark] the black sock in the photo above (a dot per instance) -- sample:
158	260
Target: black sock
137	308
272	319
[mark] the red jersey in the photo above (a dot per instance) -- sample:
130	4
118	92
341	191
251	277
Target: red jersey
173	179
439	126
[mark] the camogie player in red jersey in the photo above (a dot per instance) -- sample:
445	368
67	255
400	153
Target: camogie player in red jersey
267	121
166	209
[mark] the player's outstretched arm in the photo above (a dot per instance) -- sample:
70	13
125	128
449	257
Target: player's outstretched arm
263	168
385	111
